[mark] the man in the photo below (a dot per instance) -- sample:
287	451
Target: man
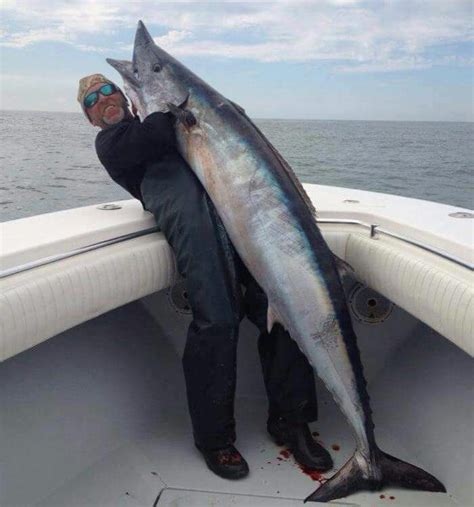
142	157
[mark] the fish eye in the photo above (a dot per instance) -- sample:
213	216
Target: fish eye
156	67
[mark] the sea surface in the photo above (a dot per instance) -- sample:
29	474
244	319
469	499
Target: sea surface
48	162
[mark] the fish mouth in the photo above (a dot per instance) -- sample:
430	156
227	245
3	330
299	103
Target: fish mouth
142	36
150	76
142	41
125	69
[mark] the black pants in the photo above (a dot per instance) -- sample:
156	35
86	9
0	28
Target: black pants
213	274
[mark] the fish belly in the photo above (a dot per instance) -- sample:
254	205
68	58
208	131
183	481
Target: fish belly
274	247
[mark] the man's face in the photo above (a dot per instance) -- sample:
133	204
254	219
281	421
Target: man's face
107	110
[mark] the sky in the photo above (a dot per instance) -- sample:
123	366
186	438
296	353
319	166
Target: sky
408	60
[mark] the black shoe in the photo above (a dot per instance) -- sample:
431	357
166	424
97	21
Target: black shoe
227	463
304	448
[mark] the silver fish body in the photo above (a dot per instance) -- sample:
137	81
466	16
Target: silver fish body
272	225
276	235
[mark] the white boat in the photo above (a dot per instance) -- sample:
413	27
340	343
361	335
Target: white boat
92	392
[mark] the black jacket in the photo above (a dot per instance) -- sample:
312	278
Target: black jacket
130	147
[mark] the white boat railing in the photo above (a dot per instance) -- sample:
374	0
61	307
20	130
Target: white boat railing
374	230
57	257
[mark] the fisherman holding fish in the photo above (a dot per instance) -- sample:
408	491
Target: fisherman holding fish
143	158
272	224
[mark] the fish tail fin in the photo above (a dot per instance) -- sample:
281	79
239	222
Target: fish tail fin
399	473
390	471
348	480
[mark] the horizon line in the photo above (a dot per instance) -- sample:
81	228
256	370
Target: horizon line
263	118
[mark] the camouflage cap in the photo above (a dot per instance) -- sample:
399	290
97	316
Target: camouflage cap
85	83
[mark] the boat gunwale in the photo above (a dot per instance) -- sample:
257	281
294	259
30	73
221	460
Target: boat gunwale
374	230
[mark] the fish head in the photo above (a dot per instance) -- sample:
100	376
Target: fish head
152	78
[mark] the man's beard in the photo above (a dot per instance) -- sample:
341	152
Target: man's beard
116	118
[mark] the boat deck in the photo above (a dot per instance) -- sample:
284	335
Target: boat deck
97	416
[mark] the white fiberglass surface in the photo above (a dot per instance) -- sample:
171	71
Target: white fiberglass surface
29	239
97	416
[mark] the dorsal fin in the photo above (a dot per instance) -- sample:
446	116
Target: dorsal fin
240	109
291	174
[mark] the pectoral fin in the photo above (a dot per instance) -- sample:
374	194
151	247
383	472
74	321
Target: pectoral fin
182	115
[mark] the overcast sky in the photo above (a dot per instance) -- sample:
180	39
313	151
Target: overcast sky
328	59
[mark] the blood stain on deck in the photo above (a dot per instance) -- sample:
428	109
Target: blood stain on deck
314	475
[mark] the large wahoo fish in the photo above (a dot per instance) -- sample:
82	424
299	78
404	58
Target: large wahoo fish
272	225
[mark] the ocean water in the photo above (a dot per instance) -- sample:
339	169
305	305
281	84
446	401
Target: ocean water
48	162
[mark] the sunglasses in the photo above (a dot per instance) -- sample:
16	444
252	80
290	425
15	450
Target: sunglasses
91	99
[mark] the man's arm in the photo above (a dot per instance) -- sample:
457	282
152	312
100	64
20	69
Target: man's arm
123	147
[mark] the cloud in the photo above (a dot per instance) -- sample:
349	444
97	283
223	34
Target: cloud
172	37
22	39
354	36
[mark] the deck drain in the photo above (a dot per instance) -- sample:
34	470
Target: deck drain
369	306
178	298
